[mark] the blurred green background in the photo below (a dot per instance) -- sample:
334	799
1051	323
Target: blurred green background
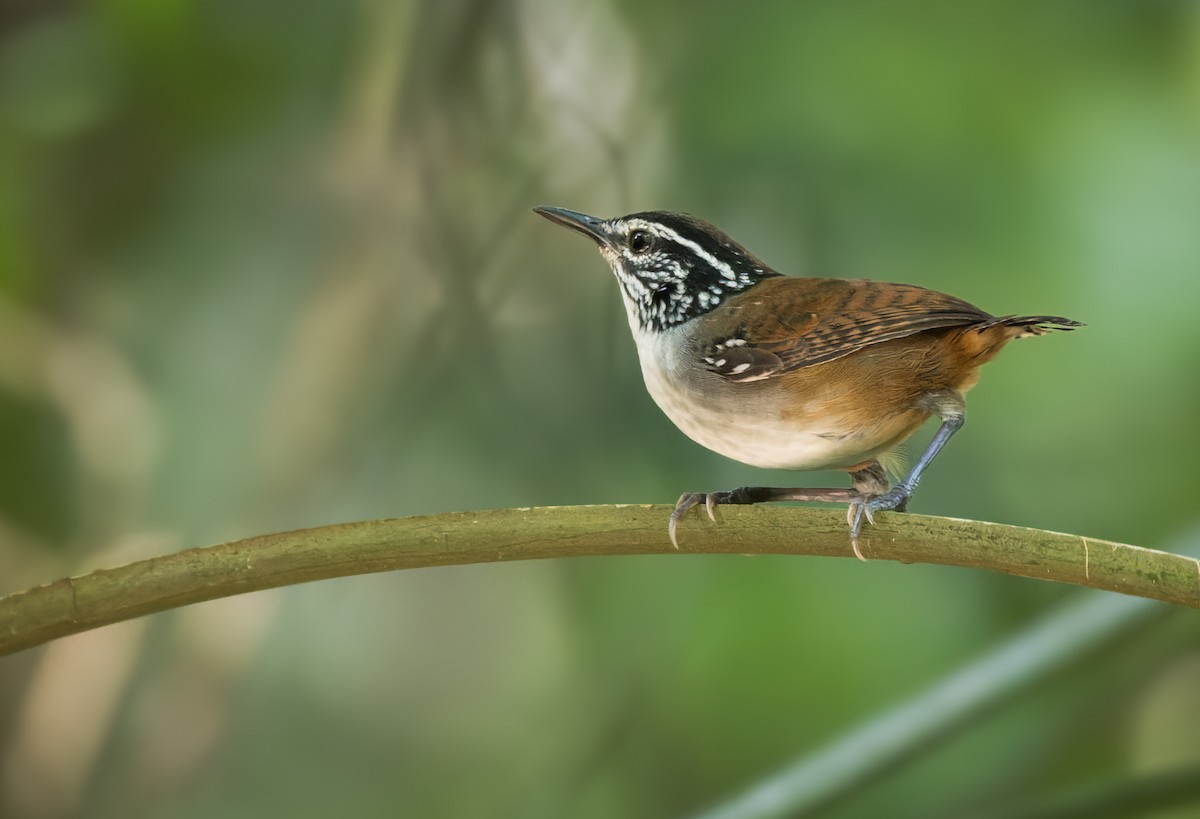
268	264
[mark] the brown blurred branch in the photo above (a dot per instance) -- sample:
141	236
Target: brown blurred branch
105	596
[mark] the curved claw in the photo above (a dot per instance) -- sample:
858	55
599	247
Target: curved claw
895	499
856	513
682	506
685	503
857	551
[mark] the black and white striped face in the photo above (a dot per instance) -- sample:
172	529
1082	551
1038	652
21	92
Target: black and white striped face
671	267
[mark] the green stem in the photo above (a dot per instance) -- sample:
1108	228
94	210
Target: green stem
1137	796
846	765
105	596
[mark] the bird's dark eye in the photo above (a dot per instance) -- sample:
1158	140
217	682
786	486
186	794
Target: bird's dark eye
640	241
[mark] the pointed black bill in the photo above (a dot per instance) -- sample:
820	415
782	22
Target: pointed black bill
589	226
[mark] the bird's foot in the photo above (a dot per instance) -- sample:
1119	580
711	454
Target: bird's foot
752	494
687	500
895	500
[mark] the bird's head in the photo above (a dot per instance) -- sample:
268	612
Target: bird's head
671	267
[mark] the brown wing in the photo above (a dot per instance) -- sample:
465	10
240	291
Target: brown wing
811	321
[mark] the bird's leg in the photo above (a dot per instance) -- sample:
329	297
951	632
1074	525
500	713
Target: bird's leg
945	405
870	481
753	494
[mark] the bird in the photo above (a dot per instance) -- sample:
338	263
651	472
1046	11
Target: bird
790	372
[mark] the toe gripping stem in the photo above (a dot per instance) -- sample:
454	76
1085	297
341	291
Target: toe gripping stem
896	499
746	495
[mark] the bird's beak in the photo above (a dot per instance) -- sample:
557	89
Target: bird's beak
589	226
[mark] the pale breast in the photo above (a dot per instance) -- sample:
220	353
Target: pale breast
743	421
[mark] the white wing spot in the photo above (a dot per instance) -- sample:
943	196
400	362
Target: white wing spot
741	368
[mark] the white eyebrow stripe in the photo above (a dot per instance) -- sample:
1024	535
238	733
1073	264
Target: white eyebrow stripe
666	233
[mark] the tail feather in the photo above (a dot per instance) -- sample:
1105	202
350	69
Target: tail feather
1032	325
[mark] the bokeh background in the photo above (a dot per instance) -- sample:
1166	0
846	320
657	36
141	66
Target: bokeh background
272	264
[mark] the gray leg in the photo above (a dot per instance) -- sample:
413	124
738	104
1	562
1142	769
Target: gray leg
950	408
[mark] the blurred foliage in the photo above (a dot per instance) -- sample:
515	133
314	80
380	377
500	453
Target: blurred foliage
266	265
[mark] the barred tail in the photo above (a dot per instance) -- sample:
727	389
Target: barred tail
1033	325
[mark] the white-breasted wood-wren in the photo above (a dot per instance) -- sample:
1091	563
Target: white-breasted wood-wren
785	372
